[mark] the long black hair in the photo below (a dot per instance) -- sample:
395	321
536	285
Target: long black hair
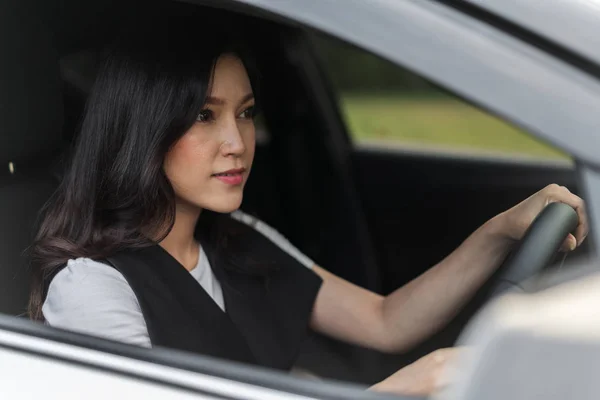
148	92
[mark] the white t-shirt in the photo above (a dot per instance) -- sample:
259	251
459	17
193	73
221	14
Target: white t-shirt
92	298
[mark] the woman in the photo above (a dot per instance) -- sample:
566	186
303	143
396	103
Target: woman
149	209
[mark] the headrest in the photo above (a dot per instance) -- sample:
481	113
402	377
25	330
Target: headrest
31	109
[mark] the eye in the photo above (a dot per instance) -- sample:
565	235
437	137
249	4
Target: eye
248	113
205	115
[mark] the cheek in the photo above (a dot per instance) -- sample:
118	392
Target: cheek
250	144
189	160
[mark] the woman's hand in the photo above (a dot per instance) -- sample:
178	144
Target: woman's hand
421	378
515	221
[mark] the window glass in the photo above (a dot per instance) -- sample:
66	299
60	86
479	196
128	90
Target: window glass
386	105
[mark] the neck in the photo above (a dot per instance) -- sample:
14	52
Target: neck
180	242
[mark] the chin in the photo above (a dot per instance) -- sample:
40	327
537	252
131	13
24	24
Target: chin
225	206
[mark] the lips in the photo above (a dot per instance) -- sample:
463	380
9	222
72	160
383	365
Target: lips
231	177
230	172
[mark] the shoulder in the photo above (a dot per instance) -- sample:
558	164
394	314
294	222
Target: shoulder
86	271
91	297
274	236
89	278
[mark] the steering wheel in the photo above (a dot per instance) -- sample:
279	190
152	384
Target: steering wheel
539	245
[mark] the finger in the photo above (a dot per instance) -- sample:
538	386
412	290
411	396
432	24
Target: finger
563	195
582	229
569	244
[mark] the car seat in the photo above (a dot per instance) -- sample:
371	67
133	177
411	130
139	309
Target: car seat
30	135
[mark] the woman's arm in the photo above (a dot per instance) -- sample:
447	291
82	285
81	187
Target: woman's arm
411	313
407	316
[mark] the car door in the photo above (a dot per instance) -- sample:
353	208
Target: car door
41	362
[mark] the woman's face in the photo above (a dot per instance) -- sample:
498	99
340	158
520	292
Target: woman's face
208	167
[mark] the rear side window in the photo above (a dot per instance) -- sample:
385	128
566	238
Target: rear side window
386	105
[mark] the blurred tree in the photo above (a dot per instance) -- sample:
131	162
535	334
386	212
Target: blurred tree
355	70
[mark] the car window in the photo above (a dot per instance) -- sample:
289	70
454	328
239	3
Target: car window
383	104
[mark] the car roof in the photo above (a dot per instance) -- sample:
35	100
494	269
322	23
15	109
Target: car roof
553	20
573	24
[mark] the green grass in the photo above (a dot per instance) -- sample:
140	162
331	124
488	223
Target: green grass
439	122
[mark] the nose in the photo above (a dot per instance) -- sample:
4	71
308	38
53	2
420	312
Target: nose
233	142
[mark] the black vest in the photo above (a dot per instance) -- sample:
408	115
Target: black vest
265	322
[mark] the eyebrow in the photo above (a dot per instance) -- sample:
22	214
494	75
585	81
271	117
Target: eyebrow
217	101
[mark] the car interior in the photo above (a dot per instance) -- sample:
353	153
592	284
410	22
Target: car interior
376	217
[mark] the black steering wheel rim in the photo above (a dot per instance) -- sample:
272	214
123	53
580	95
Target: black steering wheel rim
537	248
